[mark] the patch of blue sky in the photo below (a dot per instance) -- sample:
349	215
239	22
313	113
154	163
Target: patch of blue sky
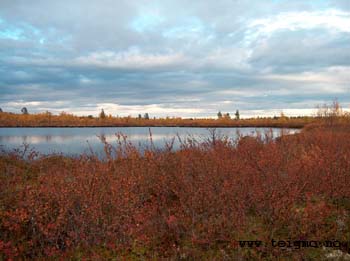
189	27
146	22
320	4
34	33
317	4
313	2
12	34
31	29
20	31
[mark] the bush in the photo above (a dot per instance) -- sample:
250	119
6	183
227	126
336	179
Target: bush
197	202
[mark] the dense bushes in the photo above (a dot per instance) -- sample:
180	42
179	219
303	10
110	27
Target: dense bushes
197	202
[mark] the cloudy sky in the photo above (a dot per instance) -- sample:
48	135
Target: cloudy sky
174	57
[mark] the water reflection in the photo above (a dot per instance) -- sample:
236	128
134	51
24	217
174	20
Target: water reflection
72	141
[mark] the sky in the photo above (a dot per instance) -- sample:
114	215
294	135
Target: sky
174	57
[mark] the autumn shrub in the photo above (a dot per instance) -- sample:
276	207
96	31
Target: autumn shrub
193	203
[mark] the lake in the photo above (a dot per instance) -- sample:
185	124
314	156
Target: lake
74	141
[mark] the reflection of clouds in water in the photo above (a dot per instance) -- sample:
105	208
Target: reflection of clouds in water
74	141
141	137
93	139
38	139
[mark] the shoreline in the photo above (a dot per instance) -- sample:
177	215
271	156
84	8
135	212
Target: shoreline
157	126
8	120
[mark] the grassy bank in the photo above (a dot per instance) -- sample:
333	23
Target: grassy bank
195	203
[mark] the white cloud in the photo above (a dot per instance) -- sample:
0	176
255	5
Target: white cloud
277	112
85	80
152	109
333	20
334	79
21	103
130	59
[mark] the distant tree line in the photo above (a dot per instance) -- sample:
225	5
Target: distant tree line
227	115
102	114
24	110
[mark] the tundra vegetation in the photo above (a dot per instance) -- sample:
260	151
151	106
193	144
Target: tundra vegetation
193	203
47	119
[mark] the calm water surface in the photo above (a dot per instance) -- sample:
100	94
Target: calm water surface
73	141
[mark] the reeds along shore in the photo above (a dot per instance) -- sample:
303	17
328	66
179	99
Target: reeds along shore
69	120
194	203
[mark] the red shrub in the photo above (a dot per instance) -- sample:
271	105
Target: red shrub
197	200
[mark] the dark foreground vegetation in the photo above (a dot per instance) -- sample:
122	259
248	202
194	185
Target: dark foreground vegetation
195	203
68	120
